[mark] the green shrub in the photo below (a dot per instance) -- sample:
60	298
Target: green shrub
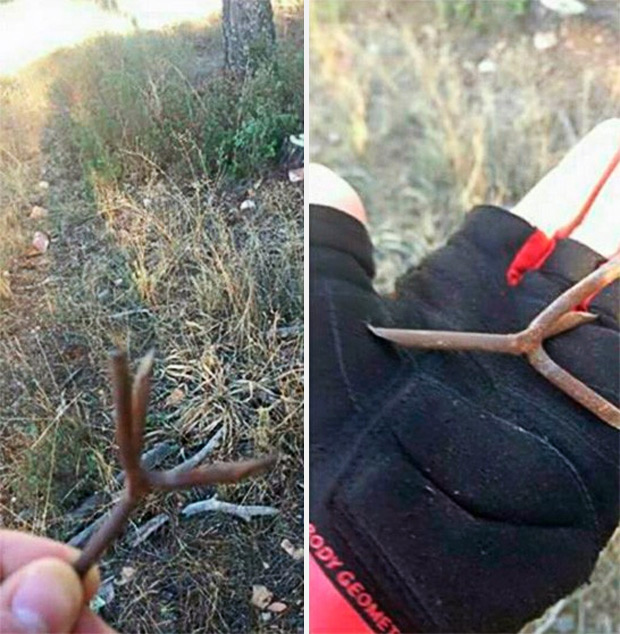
250	119
481	14
148	99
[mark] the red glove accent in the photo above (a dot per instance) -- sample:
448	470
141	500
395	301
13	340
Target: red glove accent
330	612
531	256
538	247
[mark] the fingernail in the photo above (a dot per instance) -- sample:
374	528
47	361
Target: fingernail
29	622
24	605
46	598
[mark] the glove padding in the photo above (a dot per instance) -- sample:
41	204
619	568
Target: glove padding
465	491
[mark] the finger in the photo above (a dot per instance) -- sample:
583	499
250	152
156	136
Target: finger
89	623
330	190
601	229
556	200
19	549
45	596
343	301
347	363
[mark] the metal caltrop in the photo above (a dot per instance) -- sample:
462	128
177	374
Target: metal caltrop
561	315
558	317
130	405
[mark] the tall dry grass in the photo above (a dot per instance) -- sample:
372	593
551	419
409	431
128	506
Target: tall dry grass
22	114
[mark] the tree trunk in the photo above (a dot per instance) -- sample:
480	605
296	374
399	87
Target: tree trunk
249	33
108	5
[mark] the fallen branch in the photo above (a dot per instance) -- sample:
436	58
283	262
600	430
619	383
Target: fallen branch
147	529
84	535
149	459
193	461
105	595
213	504
130	404
153	457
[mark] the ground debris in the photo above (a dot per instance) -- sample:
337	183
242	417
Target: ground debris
38	212
193	461
261	596
544	40
175	397
40	242
150	459
82	537
146	530
104	596
127	574
244	512
565	7
296	553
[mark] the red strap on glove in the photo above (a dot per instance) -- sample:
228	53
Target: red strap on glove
539	246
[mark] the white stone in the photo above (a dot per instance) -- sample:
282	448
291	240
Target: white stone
565	7
544	40
248	204
487	66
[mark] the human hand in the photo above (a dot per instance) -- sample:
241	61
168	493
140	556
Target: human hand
556	200
461	491
40	593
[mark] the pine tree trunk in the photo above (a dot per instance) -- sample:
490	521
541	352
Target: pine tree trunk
108	5
249	33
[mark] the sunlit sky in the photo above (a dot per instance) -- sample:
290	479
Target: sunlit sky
31	29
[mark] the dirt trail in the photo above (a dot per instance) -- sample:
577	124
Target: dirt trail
33	29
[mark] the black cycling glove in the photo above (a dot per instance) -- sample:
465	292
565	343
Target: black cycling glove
458	491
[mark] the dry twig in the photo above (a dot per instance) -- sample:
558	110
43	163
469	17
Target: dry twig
147	529
558	317
130	403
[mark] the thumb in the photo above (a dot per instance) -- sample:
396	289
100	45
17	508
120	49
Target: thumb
44	597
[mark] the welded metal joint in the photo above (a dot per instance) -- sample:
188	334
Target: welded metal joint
556	318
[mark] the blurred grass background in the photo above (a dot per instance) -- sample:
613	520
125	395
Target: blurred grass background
430	107
134	153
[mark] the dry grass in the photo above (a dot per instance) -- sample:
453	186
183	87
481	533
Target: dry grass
211	289
401	108
164	259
